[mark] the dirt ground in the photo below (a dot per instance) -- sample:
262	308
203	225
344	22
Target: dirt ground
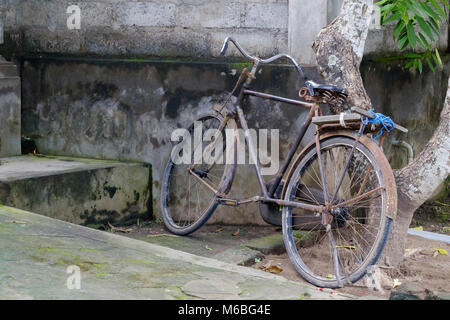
422	270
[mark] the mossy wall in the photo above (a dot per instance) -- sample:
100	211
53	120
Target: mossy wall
126	109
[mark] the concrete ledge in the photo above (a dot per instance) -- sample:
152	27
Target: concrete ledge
82	191
8	70
430	235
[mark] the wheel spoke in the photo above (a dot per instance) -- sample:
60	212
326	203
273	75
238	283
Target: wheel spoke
188	198
354	177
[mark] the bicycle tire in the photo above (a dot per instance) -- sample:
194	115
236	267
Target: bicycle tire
223	186
383	174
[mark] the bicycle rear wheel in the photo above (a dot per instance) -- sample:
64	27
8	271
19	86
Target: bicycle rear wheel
186	202
340	253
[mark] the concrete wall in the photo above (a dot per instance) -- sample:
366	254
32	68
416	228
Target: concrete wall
127	109
188	28
177	28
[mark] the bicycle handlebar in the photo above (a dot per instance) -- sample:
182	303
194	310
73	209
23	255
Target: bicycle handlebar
263	61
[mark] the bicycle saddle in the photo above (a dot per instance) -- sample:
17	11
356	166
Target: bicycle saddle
317	89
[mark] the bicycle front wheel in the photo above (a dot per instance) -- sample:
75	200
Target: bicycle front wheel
192	171
336	249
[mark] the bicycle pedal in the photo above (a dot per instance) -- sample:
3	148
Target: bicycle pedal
228	202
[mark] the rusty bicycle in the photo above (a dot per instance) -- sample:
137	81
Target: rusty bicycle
335	199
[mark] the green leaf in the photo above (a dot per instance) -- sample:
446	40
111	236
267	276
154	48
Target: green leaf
436	60
403	42
417	9
438	56
429	11
430	64
412	55
419	62
380	3
409	64
392	17
399	29
411	35
438	7
424	26
424	40
434	25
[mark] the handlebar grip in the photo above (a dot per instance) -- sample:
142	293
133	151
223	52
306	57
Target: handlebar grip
301	72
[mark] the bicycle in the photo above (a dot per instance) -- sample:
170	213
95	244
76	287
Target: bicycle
340	186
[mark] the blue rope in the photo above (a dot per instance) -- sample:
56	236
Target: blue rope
387	125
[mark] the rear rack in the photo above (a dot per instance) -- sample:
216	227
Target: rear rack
348	120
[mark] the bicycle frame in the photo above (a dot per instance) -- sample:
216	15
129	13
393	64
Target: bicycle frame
267	195
236	111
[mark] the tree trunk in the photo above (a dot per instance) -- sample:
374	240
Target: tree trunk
339	49
417	182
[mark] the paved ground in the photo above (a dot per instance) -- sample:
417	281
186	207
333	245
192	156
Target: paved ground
36	251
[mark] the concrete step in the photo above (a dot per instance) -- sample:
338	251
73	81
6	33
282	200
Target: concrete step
81	191
8	70
5	62
10	115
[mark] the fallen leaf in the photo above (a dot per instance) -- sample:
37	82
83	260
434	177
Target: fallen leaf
420	228
346	247
219	230
207	248
271	268
236	233
441	251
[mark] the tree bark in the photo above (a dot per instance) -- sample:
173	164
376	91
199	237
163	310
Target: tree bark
417	182
339	49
